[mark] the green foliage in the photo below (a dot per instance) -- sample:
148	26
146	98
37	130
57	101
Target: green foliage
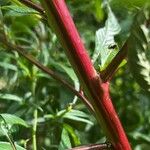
130	5
62	120
65	140
7	146
15	10
7	122
106	47
10	97
78	116
139	54
99	13
13	120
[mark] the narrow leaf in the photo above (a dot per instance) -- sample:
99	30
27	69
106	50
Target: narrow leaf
15	10
77	116
14	120
10	97
7	146
65	140
73	134
8	66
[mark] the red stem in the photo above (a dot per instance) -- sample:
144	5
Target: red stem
61	22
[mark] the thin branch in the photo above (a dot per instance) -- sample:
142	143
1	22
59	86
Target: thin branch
108	73
103	146
33	6
48	71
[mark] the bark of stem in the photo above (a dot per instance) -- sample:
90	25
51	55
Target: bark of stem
33	6
98	92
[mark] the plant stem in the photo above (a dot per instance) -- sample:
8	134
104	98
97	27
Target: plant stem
33	6
34	130
103	146
35	112
48	71
108	73
11	142
62	24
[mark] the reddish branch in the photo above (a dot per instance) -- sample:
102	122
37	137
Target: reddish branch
103	146
33	6
98	92
48	71
108	73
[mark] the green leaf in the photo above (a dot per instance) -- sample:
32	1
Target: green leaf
65	140
73	134
99	13
104	49
6	65
3	2
138	58
16	2
69	72
142	147
42	75
77	115
7	146
141	137
73	77
131	5
15	10
14	120
10	97
24	68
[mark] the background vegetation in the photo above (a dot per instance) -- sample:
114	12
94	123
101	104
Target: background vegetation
37	112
